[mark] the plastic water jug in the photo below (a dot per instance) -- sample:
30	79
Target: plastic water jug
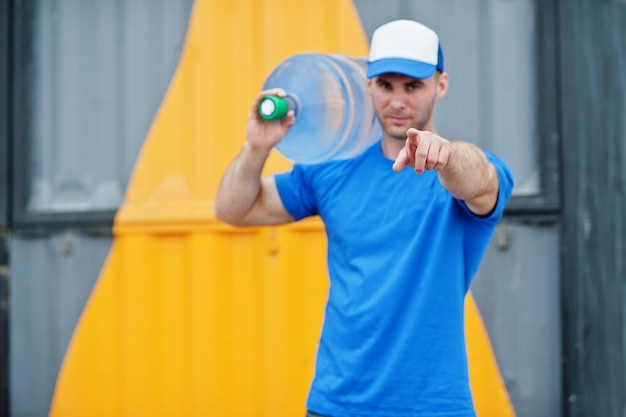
335	117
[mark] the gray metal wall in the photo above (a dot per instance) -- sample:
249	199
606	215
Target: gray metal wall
593	85
4	324
97	72
517	289
90	108
52	277
560	343
4	111
5	32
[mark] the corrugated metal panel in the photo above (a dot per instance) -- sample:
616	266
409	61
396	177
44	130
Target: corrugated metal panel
189	316
593	82
490	53
99	71
4	324
518	290
51	279
208	320
207	323
4	114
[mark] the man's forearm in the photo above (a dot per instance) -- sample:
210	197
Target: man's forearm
468	174
240	185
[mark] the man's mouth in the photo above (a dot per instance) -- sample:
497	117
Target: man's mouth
397	119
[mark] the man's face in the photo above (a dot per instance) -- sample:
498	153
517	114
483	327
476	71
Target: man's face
402	102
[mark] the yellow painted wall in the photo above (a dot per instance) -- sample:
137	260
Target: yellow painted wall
193	318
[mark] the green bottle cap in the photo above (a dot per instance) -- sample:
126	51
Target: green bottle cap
273	108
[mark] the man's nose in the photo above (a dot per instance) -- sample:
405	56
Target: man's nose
397	100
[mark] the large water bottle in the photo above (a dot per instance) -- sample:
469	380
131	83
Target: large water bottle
335	117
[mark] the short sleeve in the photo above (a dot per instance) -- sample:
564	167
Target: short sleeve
296	193
505	188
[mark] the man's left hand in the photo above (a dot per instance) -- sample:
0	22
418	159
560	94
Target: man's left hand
422	151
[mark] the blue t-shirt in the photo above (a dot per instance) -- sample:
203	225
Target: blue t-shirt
401	256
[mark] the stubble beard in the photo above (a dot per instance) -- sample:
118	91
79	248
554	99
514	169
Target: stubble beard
420	124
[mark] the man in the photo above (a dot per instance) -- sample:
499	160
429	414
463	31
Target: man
402	248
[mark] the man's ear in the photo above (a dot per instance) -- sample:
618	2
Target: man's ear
369	86
442	85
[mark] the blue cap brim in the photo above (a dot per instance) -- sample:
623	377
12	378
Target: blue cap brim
408	67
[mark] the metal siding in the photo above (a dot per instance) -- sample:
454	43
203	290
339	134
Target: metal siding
228	299
52	277
5	62
4	324
593	84
518	290
4	112
99	73
205	314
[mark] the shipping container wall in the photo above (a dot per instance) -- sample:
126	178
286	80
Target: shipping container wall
4	205
593	84
88	80
5	131
4	324
4	113
518	291
93	75
52	277
139	108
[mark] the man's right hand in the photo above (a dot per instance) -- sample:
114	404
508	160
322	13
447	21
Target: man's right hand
265	134
244	198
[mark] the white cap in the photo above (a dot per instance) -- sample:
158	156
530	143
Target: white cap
405	47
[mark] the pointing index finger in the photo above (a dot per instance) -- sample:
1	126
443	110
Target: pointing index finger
413	135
